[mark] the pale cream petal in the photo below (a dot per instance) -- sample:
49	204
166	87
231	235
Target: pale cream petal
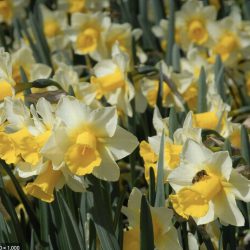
108	169
45	110
103	121
241	186
196	153
39	71
192	242
122	143
71	111
182	176
168	241
226	209
134	201
56	147
221	164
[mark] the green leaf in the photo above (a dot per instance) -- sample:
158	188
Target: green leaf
41	42
245	145
70	224
176	59
117	215
173	122
2	39
171	32
160	91
101	214
202	92
219	77
152	193
43	83
158	8
33	219
227	146
62	236
228	237
148	39
246	9
4	231
146	226
16	233
160	194
44	219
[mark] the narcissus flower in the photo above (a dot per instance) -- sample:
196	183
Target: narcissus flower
230	39
172	149
111	81
88	141
54	26
10	9
207	186
165	235
193	20
88	31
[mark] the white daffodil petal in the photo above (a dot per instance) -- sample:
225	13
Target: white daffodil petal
226	209
103	121
108	169
168	241
241	186
45	110
122	143
221	164
194	152
71	111
134	201
182	176
56	147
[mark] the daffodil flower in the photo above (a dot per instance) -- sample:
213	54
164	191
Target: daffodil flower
111	81
207	186
89	141
87	33
165	235
172	149
193	20
12	9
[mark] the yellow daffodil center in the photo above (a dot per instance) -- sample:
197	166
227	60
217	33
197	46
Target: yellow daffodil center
76	6
51	28
108	83
194	200
87	40
6	10
215	3
44	185
5	89
235	138
190	96
172	154
149	157
206	120
227	44
152	94
197	32
82	157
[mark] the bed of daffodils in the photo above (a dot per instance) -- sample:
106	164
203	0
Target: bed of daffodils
124	124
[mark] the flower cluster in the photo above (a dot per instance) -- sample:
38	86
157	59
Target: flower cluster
142	108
